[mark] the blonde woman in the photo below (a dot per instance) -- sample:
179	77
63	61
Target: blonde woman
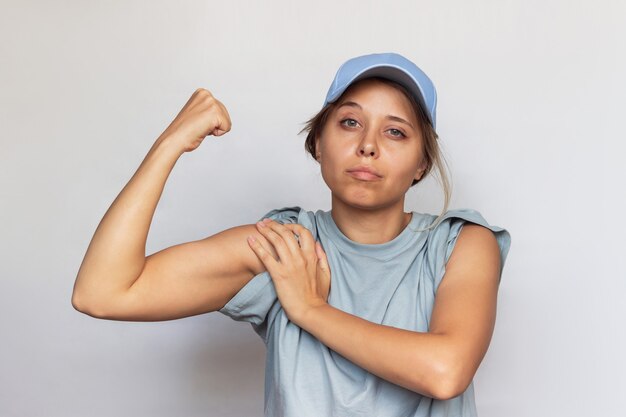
365	309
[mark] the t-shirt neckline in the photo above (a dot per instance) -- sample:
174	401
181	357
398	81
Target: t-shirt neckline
394	246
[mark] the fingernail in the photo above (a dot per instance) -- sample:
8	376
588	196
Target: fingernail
261	224
267	220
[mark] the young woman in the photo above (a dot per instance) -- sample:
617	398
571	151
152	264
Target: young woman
366	310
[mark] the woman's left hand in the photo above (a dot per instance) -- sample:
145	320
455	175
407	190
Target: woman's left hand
301	275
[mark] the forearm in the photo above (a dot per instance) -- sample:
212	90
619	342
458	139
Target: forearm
413	360
116	255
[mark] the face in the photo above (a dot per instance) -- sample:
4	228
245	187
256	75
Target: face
373	126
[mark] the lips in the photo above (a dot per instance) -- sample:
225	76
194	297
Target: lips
364	172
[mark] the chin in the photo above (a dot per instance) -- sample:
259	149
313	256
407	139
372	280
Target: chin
360	199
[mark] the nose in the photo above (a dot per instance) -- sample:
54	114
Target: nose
368	146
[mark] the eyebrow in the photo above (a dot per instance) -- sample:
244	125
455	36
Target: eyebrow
389	116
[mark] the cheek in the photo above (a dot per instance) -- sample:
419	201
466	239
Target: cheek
406	167
332	164
330	155
328	168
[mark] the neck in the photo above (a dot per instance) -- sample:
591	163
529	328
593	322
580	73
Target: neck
368	225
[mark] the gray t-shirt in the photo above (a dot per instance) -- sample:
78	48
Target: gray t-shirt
393	283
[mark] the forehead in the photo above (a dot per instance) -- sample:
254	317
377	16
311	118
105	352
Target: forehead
376	91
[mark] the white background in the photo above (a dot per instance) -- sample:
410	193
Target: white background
531	104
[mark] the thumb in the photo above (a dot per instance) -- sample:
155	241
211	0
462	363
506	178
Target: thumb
323	271
322	261
321	256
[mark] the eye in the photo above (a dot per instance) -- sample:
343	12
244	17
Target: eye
397	133
349	122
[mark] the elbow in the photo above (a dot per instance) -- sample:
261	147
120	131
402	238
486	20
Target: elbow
450	381
449	389
89	301
81	306
77	302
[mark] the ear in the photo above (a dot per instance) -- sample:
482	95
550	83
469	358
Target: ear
318	153
420	170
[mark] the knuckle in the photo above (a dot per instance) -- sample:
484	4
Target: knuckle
269	236
208	100
301	229
274	239
202	92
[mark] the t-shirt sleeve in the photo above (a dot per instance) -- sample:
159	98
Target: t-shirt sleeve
443	238
255	300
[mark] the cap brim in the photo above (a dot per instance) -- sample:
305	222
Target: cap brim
391	73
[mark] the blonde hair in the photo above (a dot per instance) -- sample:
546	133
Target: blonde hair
432	151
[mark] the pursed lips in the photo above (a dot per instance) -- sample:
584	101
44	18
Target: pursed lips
364	173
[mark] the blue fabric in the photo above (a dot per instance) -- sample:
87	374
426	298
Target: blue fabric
392	283
391	66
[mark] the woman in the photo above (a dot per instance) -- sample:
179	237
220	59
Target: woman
351	303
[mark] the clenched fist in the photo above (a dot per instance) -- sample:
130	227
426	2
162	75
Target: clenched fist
201	116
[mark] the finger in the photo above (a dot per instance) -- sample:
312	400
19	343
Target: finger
322	259
226	116
218	131
323	271
192	98
321	256
307	243
285	246
224	124
285	230
220	127
223	118
263	254
199	100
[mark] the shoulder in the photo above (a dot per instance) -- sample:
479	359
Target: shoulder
284	215
477	248
468	234
468	228
450	225
459	216
446	228
295	215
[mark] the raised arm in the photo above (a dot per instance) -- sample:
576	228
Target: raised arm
117	281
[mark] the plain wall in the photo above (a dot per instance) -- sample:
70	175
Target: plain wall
530	118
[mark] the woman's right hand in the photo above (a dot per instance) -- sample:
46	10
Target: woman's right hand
201	116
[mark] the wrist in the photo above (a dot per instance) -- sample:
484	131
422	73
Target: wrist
307	316
168	144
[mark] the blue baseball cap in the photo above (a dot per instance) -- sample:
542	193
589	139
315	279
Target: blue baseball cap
391	66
